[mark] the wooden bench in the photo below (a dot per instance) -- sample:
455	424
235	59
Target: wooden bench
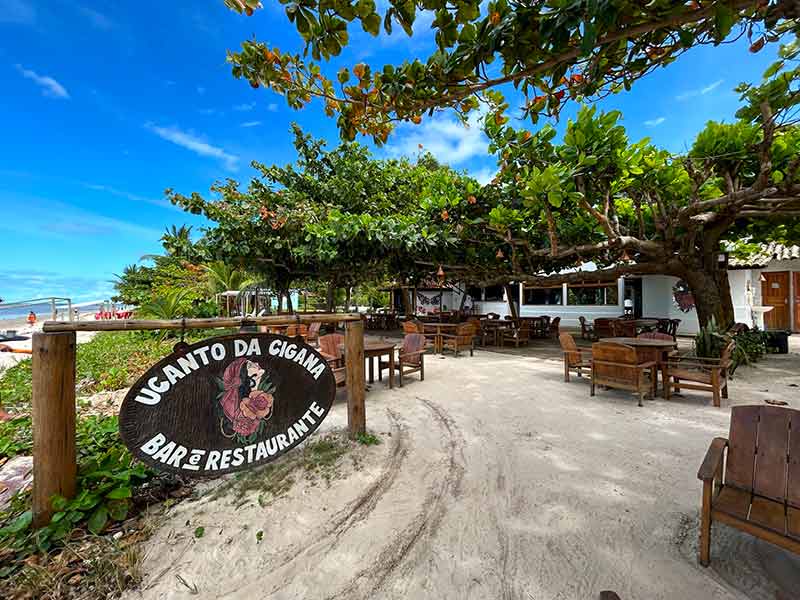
756	487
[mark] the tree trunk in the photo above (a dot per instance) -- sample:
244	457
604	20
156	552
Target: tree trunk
406	301
512	301
330	299
712	296
280	302
348	292
289	307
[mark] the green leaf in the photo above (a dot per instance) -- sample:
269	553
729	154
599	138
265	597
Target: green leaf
21	523
119	493
199	532
98	519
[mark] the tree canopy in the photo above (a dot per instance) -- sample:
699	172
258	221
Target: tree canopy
337	215
551	51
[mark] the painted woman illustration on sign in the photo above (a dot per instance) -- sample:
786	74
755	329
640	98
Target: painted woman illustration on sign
246	399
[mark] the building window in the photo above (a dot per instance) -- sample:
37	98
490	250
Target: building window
494	293
543	296
474	293
583	295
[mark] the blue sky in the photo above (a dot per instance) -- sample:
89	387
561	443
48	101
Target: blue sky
106	104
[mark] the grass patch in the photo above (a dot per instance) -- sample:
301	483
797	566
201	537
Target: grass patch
109	361
368	439
318	460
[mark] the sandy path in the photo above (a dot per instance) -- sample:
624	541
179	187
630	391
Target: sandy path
495	479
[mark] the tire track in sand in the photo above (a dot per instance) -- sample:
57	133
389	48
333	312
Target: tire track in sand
356	510
424	525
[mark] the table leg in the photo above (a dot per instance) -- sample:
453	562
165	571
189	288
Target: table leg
391	369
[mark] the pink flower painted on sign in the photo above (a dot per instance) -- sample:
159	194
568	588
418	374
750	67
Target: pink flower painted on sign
247	396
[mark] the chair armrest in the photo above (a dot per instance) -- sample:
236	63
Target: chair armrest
404	354
713	460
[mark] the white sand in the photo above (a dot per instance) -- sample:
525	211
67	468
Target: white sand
25	331
495	479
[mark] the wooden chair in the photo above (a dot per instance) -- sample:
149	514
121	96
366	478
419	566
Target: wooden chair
493	316
756	487
463	338
669	326
553	328
623	328
574	358
602	327
313	333
330	347
703	374
410	358
516	335
617	366
410	327
587	331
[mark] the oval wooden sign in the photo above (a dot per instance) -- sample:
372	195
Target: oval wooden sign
226	404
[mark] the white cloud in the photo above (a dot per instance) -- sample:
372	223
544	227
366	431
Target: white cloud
484	175
251	124
655	122
107	189
245	107
443	136
700	91
50	87
17	12
188	140
97	19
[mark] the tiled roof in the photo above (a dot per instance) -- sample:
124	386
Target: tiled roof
767	253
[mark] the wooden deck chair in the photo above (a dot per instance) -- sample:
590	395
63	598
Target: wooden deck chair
702	374
756	487
330	347
574	358
462	339
410	357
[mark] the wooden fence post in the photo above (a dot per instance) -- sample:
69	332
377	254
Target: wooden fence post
53	413
354	365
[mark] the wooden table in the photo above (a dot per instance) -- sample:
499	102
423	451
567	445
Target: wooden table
373	351
494	326
436	328
648	349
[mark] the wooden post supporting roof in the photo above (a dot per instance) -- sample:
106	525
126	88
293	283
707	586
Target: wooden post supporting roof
53	415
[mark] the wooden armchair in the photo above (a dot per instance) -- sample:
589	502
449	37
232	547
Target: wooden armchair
553	329
702	374
602	327
617	366
330	347
517	335
313	333
756	488
462	339
411	327
574	358
623	328
587	331
410	358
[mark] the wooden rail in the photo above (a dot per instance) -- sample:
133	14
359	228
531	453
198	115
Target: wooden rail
53	402
144	324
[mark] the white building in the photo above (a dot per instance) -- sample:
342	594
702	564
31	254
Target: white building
769	279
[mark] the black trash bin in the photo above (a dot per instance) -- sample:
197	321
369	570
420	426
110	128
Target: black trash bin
778	339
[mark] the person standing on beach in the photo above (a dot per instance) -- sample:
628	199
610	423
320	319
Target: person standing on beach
31	318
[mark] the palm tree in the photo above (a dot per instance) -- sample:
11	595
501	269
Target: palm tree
223	277
177	241
169	305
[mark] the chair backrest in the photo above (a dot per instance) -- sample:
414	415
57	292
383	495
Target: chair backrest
764	452
465	331
409	327
584	326
330	344
655	335
555	323
313	331
623	328
570	348
602	327
725	356
413	342
673	327
622	355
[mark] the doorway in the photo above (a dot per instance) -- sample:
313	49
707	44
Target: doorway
633	292
775	293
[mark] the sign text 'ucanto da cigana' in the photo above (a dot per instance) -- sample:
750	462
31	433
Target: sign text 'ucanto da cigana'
227	403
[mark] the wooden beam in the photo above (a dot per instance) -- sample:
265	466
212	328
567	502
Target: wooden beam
354	368
53	415
140	324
